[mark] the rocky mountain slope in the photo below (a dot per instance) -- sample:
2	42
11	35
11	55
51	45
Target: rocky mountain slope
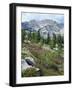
47	25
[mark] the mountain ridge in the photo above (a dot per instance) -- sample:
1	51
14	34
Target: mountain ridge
44	25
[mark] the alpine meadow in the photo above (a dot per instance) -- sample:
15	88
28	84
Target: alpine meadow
42	44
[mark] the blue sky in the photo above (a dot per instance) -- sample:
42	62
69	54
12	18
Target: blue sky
41	16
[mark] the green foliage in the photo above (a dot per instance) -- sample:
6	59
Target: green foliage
29	35
60	41
38	36
48	39
47	59
54	40
33	37
42	41
57	40
23	33
29	72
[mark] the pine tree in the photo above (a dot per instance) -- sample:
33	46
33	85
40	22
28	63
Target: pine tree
48	39
54	40
29	35
23	33
33	36
59	41
38	36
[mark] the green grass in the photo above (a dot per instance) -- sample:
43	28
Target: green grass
29	72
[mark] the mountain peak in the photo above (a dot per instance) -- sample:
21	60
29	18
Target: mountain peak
47	24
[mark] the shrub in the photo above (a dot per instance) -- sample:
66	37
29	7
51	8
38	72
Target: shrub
29	72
